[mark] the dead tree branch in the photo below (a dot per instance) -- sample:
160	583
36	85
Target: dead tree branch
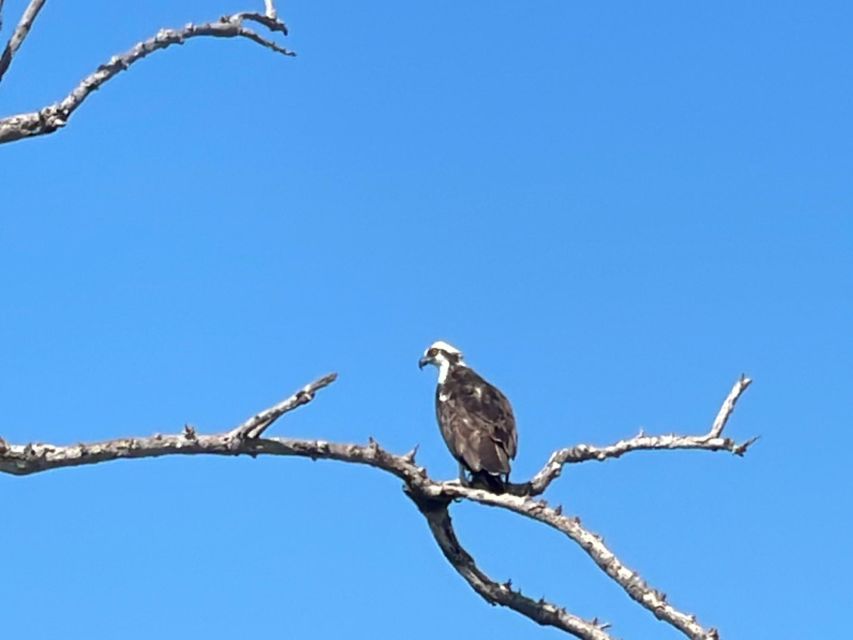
20	34
255	426
539	611
711	441
55	116
431	497
593	545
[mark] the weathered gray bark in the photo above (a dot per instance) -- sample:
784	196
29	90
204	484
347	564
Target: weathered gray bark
55	116
432	497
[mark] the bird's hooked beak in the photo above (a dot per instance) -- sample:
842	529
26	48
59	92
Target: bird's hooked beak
424	362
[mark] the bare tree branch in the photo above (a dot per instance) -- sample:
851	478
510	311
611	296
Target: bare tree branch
20	34
55	116
592	544
431	497
273	24
42	457
242	439
711	441
728	406
539	611
255	426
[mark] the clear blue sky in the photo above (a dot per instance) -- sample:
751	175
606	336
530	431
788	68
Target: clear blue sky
613	209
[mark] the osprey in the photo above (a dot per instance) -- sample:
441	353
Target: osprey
475	418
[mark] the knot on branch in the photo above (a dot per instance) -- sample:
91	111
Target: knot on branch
304	396
427	504
372	446
740	449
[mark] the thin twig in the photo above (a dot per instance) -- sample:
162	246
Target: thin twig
273	24
255	426
20	34
728	406
55	116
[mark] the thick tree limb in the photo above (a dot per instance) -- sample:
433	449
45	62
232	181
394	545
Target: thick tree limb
20	34
56	115
431	497
32	458
592	544
539	611
711	441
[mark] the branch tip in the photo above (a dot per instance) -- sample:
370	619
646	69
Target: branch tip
728	406
740	449
410	456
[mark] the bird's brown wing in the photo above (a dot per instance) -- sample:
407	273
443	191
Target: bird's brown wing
477	422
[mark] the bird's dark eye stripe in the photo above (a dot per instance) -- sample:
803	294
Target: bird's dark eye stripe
432	352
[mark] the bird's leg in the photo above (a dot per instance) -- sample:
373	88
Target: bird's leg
463	478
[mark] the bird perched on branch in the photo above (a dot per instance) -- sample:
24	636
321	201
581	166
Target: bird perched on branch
475	418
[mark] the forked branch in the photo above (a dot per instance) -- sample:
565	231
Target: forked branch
255	426
593	544
431	497
710	441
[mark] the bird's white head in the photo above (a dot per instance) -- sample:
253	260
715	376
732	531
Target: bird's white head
443	355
